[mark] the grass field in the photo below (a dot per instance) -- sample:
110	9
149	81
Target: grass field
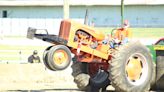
140	32
19	52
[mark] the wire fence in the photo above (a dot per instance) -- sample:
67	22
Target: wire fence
19	26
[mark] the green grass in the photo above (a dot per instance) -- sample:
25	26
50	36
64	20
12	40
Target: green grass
140	32
10	53
9	58
153	52
137	32
18	47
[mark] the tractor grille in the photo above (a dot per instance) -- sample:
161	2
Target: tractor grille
64	29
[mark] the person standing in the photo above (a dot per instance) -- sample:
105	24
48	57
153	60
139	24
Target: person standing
34	58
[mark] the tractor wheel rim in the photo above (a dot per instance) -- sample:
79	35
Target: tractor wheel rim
136	69
60	57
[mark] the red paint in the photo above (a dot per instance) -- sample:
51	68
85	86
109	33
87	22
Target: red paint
93	67
159	41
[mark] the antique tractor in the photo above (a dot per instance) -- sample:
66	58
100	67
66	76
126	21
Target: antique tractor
96	64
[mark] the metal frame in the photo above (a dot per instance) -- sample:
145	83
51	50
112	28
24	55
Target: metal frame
45	37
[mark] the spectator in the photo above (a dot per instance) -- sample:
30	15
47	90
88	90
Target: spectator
34	58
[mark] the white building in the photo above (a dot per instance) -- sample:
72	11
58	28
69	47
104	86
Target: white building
17	15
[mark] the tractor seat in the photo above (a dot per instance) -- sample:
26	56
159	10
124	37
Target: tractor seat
96	34
99	35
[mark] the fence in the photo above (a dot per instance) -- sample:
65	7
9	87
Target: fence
19	26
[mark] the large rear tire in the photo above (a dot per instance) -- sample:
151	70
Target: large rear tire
160	70
80	74
85	81
131	68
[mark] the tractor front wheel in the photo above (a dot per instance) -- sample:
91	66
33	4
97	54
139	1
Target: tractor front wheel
57	57
45	58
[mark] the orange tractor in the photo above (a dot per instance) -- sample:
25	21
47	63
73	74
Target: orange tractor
96	63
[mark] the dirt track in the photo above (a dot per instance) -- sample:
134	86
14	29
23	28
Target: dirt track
33	77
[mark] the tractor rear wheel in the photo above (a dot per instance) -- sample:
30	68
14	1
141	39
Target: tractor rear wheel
160	70
131	68
80	74
85	80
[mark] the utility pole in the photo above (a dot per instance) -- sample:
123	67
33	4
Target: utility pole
122	12
66	9
86	17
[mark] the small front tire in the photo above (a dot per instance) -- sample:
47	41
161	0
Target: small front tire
58	57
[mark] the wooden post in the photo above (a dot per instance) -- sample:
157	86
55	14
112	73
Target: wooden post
66	9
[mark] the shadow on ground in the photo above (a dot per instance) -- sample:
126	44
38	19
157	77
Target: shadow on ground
52	90
59	90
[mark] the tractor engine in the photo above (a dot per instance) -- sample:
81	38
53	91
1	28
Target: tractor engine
96	63
85	39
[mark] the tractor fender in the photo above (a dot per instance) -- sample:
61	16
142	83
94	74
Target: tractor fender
100	79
